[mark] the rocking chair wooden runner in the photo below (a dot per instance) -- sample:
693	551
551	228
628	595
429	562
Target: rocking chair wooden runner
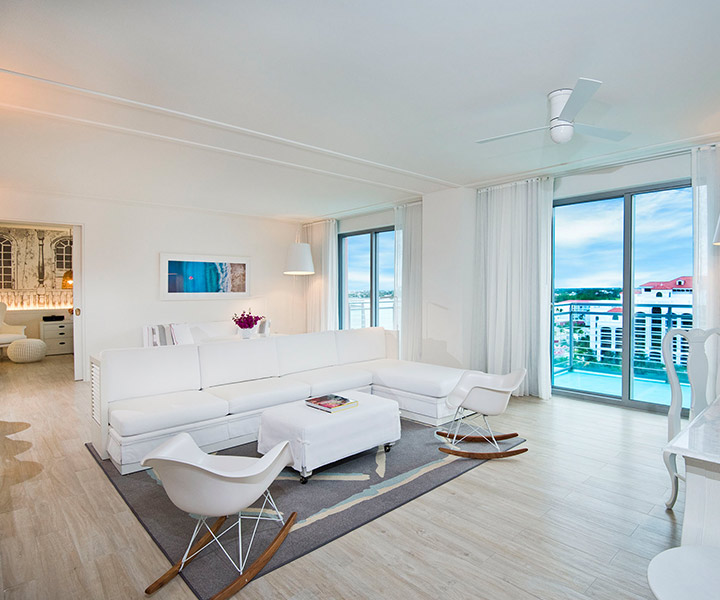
487	395
219	486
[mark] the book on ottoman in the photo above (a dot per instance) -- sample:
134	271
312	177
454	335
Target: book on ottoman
331	403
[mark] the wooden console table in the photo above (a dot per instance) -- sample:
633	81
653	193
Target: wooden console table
699	445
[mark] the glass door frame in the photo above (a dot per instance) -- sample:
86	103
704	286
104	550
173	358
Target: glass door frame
374	275
628	288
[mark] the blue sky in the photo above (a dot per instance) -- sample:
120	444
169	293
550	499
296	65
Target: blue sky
357	256
589	244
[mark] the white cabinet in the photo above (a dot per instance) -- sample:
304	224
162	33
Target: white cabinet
58	335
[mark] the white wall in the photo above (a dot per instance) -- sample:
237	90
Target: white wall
121	248
447	259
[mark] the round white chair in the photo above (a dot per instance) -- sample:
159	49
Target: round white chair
218	486
691	572
487	395
27	350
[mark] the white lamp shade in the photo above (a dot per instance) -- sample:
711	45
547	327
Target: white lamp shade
299	260
716	239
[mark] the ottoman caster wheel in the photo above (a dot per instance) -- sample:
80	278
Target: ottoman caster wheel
388	447
303	479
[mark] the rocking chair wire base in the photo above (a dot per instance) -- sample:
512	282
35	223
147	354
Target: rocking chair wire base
259	563
175	569
479	438
483	455
241	581
486	435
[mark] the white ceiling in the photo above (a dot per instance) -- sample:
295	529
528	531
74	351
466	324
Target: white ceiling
334	107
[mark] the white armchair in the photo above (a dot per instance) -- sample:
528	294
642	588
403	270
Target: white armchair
9	333
219	486
485	394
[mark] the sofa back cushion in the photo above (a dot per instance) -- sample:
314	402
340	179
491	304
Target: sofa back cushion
134	372
306	351
203	332
237	360
356	345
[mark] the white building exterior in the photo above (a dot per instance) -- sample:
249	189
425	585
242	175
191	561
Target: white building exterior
659	306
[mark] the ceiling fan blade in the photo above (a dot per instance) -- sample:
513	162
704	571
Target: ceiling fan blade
582	92
601	132
507	135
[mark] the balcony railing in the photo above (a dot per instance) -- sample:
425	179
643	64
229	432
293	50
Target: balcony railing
588	338
358	313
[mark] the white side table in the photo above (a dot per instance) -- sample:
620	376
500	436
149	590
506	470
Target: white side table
691	572
699	444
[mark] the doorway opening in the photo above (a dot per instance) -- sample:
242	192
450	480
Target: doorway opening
40	275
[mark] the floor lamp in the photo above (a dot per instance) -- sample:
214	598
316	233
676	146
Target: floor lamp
299	262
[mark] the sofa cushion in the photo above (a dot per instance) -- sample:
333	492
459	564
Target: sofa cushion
306	351
260	393
419	378
237	360
357	345
136	372
333	379
152	413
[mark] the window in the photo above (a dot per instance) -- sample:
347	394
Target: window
6	263
622	257
367	279
63	255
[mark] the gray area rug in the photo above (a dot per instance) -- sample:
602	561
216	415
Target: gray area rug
337	499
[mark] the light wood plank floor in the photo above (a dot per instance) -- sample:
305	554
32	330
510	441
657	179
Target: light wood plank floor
577	517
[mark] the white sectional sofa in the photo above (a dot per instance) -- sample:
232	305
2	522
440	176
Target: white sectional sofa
216	391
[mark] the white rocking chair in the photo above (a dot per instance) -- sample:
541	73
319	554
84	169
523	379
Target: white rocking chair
487	395
697	371
218	486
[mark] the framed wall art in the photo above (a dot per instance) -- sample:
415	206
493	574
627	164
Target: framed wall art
200	277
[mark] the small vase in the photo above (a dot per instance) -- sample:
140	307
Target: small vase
246	333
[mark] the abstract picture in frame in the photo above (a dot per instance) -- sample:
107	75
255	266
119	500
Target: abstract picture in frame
201	277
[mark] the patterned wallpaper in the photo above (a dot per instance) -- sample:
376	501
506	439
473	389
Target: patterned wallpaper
36	276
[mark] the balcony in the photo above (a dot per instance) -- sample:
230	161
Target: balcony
587	349
358	313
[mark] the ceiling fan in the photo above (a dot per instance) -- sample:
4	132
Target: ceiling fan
565	104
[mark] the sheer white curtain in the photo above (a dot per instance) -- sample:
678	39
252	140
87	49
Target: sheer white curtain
511	320
408	279
706	208
322	287
706	276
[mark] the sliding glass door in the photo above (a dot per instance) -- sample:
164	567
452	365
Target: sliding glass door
622	278
662	289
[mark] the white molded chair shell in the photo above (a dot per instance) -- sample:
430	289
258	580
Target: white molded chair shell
485	393
207	484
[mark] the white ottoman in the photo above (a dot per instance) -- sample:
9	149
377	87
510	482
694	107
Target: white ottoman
318	438
27	350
